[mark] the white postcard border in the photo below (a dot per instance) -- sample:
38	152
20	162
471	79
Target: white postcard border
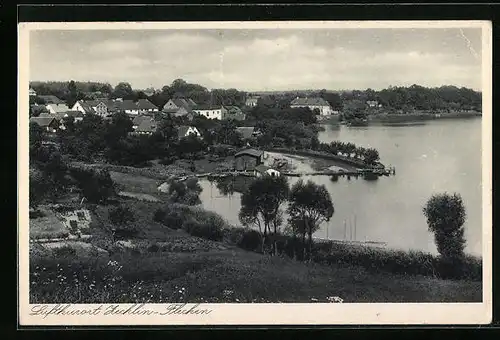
261	314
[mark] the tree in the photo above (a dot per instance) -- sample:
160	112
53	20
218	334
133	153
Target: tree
446	216
187	192
370	156
310	203
123	90
36	134
37	187
261	203
72	94
121	215
96	185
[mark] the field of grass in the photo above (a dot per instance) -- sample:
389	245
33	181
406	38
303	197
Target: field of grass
47	226
135	183
233	275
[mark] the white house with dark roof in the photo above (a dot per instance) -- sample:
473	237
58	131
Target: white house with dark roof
211	111
50	124
174	105
184	131
83	106
313	103
57	108
32	92
145	106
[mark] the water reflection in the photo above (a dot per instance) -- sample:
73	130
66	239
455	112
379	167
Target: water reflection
389	209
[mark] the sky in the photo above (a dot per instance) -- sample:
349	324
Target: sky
261	59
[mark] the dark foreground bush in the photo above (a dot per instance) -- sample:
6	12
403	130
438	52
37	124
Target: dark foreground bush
250	240
169	218
209	231
370	258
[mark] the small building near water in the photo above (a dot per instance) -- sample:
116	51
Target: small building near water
262	170
247	160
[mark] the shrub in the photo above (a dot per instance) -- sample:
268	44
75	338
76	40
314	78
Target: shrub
159	216
445	218
169	218
121	215
250	240
209	231
64	251
154	248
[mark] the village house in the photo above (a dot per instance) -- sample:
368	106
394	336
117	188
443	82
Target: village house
83	106
212	111
183	112
247	160
32	92
184	131
373	103
77	115
138	120
49	124
100	108
57	108
127	106
263	170
145	106
247	132
146	127
50	99
252	101
313	103
173	105
234	113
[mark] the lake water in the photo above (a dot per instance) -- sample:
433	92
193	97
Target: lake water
440	156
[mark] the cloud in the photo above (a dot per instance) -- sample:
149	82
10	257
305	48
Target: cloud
283	60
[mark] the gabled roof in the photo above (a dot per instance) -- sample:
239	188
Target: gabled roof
87	107
126	105
250	152
183	129
310	101
73	113
57	115
145	104
138	120
59	107
208	107
42	121
234	109
246	132
147	125
50	99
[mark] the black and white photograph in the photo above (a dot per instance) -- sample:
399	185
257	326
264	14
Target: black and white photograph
181	170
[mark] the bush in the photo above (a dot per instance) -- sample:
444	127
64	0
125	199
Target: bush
209	231
64	251
169	218
250	240
154	248
121	215
159	216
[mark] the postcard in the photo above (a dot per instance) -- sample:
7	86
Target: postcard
255	173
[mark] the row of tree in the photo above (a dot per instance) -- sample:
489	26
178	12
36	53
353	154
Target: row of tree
367	155
309	204
262	207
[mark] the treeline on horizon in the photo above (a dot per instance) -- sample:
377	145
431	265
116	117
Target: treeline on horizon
394	99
